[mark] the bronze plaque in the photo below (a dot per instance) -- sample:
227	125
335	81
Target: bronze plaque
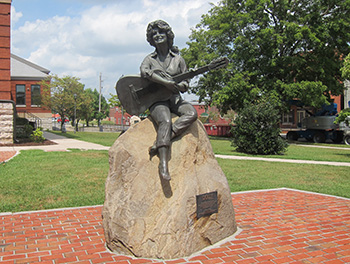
207	204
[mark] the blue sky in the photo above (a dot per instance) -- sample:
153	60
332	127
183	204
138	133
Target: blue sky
84	38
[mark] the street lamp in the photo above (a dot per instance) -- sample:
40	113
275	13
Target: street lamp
75	112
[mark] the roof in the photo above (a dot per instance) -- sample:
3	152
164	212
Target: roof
22	69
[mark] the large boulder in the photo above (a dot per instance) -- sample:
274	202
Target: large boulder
146	216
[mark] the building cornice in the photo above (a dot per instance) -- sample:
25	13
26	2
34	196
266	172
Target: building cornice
5	1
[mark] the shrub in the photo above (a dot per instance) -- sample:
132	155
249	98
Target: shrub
37	136
21	121
24	128
23	131
342	116
257	131
106	122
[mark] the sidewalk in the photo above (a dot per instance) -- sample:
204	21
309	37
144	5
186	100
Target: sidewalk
63	144
275	226
331	163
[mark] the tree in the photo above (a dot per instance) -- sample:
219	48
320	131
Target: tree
284	49
87	109
104	111
59	95
75	108
114	101
346	75
346	68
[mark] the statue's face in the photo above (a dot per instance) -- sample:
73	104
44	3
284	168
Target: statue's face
159	36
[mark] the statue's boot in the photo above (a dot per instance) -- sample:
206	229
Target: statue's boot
163	163
163	171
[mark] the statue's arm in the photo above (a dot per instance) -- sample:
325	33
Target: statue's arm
146	69
157	75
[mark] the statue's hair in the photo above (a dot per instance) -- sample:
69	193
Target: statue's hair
163	26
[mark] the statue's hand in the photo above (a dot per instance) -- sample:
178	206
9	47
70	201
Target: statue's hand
181	87
172	86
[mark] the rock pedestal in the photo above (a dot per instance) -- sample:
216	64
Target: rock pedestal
145	216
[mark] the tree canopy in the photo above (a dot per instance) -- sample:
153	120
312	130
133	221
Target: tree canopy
284	49
346	68
62	95
67	97
114	101
104	107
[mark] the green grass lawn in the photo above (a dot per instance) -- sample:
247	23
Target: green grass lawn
102	138
294	151
37	180
254	175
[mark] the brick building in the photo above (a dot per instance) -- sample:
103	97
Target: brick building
26	91
118	116
5	44
19	89
292	120
7	107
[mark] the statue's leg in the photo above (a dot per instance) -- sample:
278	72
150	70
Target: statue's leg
187	115
160	113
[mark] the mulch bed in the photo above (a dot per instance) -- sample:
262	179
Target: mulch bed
29	143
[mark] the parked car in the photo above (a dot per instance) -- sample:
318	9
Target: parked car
59	120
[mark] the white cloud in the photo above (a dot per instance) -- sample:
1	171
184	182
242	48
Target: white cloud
104	38
15	16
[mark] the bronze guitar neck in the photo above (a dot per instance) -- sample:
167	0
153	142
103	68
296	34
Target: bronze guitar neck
190	74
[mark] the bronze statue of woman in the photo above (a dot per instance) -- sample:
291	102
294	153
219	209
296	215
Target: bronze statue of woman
159	67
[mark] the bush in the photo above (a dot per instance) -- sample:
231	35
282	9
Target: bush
37	136
342	116
24	128
257	130
23	131
106	123
21	121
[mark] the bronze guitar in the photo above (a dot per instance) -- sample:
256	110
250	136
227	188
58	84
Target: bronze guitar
137	94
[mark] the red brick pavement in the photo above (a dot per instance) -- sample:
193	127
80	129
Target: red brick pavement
277	226
5	155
